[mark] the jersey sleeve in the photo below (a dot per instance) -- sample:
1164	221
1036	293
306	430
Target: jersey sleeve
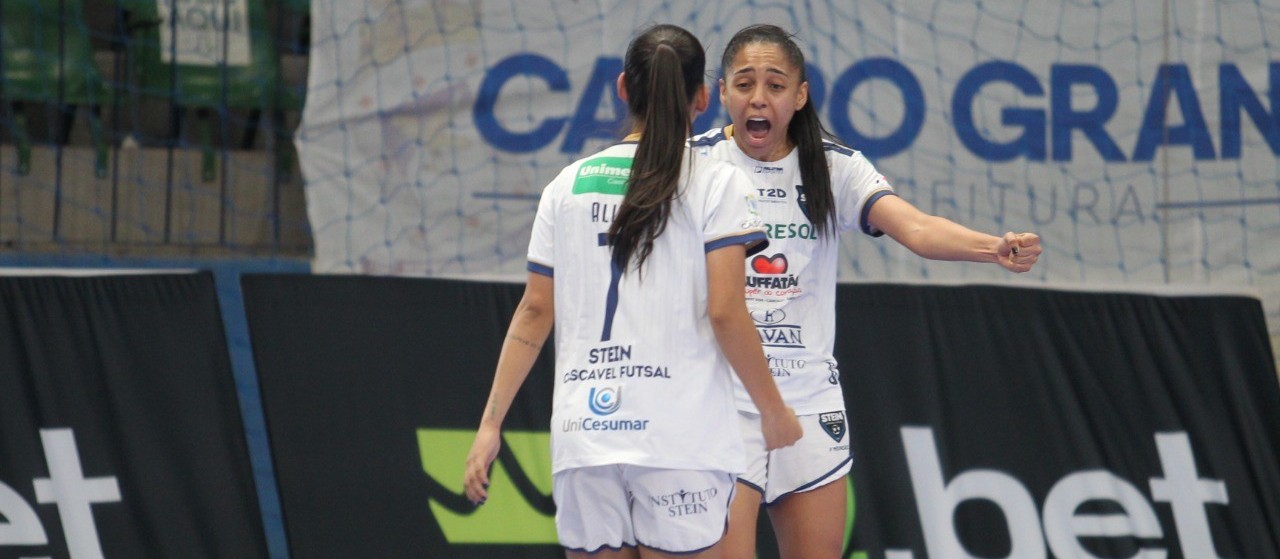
731	214
858	185
542	239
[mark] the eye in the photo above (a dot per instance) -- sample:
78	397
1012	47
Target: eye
777	86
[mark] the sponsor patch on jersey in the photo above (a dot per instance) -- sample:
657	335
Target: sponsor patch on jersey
603	175
833	424
803	200
772	265
767	170
768	316
605	400
753	220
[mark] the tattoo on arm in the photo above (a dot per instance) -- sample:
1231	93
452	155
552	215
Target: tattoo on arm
520	340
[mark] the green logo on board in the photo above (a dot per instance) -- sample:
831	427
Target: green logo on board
519	491
519	488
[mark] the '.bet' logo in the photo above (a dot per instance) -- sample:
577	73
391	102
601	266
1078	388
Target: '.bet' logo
605	401
772	265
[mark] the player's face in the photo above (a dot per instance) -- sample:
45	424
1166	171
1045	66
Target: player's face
762	91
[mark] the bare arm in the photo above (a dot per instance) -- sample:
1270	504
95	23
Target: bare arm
529	329
938	238
738	339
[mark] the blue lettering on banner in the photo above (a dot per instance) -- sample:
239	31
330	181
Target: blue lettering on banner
913	103
584	125
1030	143
1051	130
527	64
1173	80
1066	118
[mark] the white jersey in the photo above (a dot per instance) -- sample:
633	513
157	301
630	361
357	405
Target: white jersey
640	378
791	287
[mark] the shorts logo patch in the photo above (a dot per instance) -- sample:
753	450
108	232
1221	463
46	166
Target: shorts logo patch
833	424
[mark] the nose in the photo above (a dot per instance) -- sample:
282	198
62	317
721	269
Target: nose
757	99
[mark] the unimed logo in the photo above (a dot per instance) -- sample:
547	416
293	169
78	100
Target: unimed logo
519	509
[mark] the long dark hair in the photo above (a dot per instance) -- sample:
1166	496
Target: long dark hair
664	67
805	131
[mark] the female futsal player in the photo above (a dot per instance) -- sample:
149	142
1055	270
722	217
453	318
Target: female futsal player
811	188
637	257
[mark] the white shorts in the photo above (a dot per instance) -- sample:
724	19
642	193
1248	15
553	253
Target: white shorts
820	457
621	505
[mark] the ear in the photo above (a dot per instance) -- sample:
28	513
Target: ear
701	99
802	95
622	87
724	89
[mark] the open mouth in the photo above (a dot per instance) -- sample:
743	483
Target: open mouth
758	127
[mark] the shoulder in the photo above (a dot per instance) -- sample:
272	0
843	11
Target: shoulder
718	171
846	160
836	150
708	139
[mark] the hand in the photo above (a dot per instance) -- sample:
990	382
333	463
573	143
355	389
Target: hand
1017	252
475	482
780	429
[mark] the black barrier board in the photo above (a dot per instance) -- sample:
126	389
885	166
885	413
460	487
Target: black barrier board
986	421
120	432
372	389
1002	422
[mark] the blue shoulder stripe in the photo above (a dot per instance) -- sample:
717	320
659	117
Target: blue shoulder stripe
707	141
866	211
828	145
755	241
541	269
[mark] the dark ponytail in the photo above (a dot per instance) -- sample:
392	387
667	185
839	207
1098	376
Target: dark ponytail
805	131
663	70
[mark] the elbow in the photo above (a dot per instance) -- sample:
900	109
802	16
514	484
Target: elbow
722	317
533	308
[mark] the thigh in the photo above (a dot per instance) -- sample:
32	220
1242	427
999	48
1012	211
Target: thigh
678	511
810	525
740	540
757	459
593	511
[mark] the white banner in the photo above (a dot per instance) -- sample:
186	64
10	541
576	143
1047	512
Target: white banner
1141	145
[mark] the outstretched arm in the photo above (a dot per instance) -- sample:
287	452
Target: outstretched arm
738	339
938	238
529	329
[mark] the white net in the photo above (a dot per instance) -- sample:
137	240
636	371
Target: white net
1139	139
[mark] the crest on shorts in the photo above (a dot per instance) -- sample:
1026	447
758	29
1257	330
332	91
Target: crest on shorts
833	424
